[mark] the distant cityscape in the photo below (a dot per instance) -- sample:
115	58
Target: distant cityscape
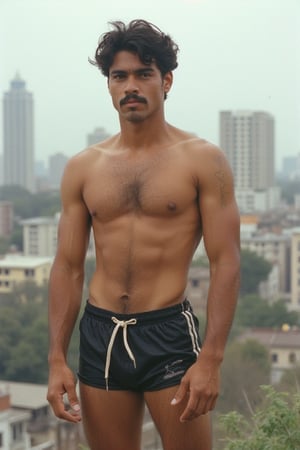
247	138
270	228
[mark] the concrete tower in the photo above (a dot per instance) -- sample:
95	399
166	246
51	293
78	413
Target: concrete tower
18	136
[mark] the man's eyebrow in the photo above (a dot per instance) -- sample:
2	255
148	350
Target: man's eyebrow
137	71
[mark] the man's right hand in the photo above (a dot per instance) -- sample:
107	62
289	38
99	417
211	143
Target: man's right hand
61	382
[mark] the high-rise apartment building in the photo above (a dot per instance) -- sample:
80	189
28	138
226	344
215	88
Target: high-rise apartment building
18	136
57	165
247	138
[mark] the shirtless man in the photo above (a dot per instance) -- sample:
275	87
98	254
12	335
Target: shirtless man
150	193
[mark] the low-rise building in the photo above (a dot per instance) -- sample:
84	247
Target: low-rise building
13	424
274	248
283	346
40	236
16	269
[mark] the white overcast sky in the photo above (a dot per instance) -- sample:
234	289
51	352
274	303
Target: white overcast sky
234	54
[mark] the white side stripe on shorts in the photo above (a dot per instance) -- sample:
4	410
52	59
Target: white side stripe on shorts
192	331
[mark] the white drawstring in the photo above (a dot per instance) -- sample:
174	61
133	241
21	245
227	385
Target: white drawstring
123	324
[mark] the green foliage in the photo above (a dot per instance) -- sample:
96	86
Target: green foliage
290	380
24	335
254	269
23	343
246	366
252	311
273	426
16	239
4	245
28	205
200	261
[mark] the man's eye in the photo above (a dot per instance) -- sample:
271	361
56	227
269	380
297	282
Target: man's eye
118	76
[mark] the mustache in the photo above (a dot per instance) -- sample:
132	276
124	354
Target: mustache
135	97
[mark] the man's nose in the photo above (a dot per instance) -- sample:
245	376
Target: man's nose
131	85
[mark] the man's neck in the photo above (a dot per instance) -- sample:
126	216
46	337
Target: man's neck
137	136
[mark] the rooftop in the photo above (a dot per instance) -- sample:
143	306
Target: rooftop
20	261
26	395
274	338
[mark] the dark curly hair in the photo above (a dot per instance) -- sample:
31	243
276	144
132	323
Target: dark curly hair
140	37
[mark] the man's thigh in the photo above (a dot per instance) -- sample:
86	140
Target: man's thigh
112	419
193	435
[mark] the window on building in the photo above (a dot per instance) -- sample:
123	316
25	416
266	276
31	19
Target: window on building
1	440
6	271
274	357
292	358
195	282
29	272
17	431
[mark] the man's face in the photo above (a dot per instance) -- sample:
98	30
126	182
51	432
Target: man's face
137	90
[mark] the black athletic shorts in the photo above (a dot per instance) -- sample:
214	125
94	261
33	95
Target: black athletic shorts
140	352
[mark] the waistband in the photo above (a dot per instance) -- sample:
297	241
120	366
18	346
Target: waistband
157	315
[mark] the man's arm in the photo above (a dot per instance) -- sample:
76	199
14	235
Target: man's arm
221	231
65	291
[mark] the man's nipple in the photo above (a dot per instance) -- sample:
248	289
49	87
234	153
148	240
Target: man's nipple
172	206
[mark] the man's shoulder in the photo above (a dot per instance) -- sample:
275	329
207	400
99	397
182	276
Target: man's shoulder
91	153
197	147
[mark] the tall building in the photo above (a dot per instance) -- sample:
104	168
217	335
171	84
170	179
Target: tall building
18	136
247	138
57	164
291	167
98	135
6	219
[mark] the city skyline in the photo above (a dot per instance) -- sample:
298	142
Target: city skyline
18	135
233	55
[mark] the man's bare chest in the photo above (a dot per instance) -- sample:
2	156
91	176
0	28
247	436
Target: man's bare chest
155	188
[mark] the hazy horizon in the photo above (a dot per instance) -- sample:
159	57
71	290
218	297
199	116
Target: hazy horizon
233	55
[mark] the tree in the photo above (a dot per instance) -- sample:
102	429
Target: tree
274	425
246	366
4	245
252	311
27	204
290	380
16	239
254	269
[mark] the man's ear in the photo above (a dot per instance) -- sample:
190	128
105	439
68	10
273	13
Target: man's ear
167	82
